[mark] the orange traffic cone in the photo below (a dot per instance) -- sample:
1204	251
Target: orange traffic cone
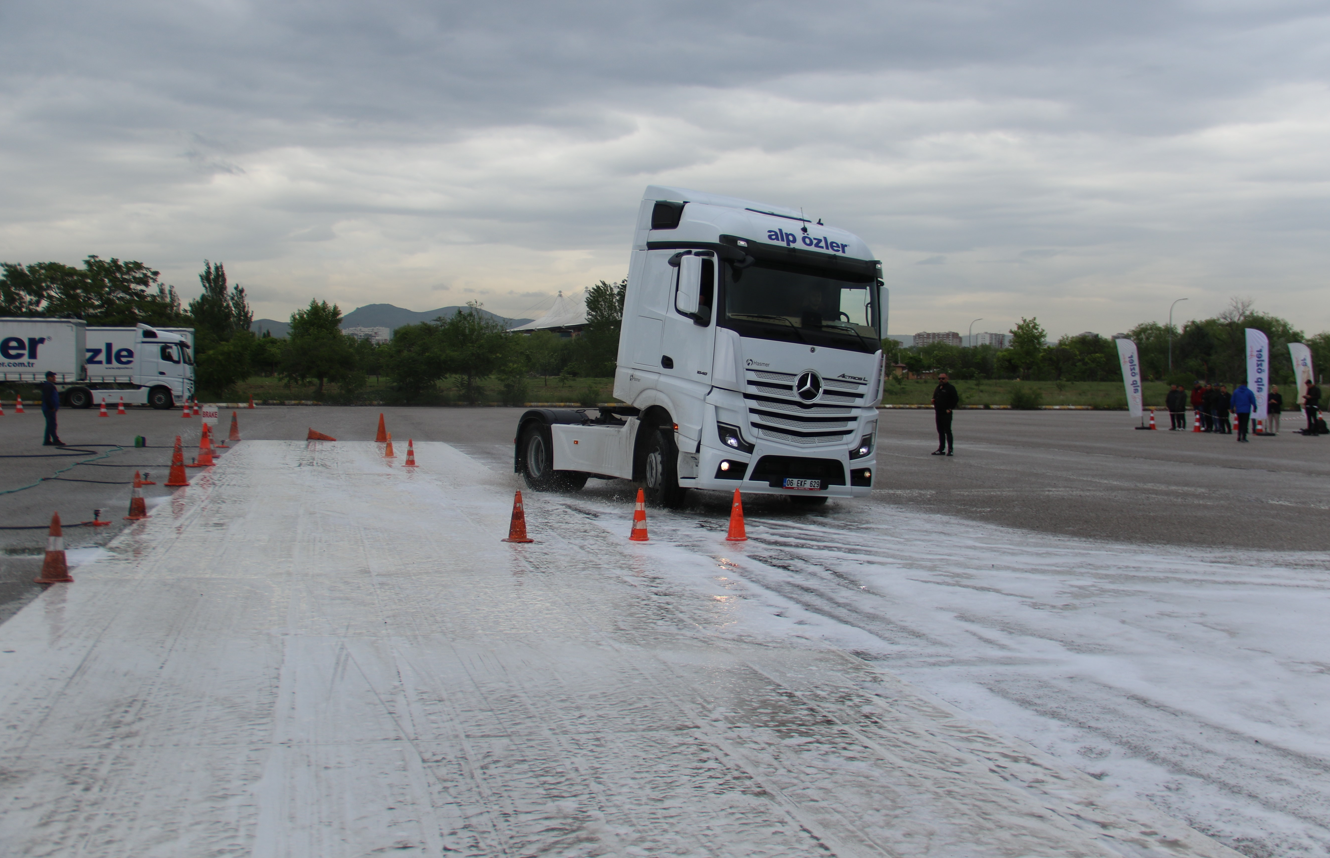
639	533
2	409
204	459
120	409
235	428
177	476
737	532
410	454
251	401
318	436
187	412
1235	421
102	412
1196	421
18	405
1152	420
388	451
517	528
1260	427
382	437
137	508
55	569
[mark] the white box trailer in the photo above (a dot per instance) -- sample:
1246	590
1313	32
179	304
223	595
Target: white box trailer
141	365
750	357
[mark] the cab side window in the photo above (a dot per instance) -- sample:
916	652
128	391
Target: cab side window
708	297
168	354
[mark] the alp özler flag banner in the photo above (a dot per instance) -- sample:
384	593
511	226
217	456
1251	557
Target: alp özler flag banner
1302	368
1258	369
1131	375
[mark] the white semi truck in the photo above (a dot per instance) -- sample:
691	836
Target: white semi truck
750	357
142	365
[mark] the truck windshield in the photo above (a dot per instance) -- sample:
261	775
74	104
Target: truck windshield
777	301
186	354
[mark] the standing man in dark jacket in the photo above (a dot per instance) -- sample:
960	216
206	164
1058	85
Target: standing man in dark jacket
1223	406
1177	408
1311	401
50	405
1274	406
945	398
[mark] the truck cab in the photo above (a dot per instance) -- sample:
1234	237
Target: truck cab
749	357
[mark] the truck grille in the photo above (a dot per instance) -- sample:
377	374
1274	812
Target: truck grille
777	412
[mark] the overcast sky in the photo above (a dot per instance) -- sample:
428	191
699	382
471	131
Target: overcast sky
1084	163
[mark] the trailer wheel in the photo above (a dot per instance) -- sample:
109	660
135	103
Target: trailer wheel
79	397
661	469
160	398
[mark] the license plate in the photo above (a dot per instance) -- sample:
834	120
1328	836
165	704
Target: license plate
808	485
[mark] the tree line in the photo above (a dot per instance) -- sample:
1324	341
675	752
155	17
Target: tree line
472	347
1205	350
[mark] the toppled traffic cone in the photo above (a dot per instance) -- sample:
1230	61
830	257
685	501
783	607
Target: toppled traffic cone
737	532
102	412
517	528
235	428
177	476
55	569
639	533
410	454
388	451
251	401
120	409
138	509
382	436
318	436
1152	420
18	405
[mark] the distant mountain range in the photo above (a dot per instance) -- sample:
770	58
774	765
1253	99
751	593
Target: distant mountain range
382	316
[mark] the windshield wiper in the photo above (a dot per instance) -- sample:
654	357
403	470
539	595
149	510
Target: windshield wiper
760	317
852	329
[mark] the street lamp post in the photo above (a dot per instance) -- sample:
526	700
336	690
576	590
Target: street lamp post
971	335
1170	334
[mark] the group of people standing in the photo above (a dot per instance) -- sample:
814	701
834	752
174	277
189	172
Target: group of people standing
1213	404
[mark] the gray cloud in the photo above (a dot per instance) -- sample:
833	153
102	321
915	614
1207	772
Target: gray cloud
371	153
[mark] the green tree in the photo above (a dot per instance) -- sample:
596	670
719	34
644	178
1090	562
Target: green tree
546	352
316	347
223	343
1027	346
414	359
596	351
474	346
103	292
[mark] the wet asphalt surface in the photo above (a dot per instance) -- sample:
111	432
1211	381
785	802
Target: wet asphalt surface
1081	474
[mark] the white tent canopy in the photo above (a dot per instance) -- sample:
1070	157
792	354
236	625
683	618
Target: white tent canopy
567	313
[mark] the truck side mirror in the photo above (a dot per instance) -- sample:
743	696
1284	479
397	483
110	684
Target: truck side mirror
689	293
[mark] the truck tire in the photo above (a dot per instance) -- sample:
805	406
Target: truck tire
160	398
537	463
79	397
661	470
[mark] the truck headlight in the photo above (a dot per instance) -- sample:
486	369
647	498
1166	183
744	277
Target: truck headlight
865	447
730	437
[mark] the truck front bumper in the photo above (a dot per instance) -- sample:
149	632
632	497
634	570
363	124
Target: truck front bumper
767	469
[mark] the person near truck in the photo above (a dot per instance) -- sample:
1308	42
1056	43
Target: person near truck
1274	406
945	398
50	405
1177	408
1311	403
1244	403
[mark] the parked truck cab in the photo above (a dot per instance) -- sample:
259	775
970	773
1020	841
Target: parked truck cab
749	357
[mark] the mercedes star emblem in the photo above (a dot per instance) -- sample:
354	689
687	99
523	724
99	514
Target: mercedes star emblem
808	386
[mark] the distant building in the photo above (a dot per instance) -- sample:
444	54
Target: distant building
951	338
997	341
374	335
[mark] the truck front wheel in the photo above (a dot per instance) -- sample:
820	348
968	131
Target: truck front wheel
79	397
661	469
538	463
160	398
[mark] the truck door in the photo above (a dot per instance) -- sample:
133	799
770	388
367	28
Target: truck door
688	337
